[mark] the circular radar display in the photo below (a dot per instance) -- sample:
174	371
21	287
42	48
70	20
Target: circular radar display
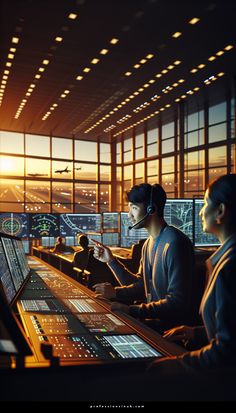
14	224
42	225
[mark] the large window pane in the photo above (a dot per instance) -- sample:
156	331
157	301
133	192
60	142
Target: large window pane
152	168
11	166
217	133
105	173
217	113
86	151
118	152
37	191
37	167
194	180
62	192
194	121
194	160
12	142
217	156
62	148
152	136
104	197
139	146
127	150
62	170
62	208
105	152
168	165
215	173
194	139
128	171
168	130
139	173
37	145
233	158
168	145
118	173
37	207
152	150
12	190
168	182
85	197
86	171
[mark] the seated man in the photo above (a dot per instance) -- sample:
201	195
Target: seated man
80	258
164	281
59	247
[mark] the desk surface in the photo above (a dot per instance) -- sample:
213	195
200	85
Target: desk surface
81	328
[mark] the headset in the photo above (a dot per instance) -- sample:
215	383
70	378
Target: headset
150	210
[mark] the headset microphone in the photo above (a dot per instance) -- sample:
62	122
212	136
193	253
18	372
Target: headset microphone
137	223
150	210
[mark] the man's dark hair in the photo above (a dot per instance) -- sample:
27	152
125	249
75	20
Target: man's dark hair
83	241
148	194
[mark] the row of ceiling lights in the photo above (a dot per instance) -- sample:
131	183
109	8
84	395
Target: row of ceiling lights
86	70
41	69
8	65
167	89
184	96
128	73
135	93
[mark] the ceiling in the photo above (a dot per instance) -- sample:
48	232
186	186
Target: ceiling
92	107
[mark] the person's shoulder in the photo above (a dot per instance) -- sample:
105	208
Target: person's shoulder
174	234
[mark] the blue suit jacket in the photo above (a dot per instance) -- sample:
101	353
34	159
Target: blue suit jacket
218	310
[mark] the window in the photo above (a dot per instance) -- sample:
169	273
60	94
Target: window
37	145
83	149
105	152
62	148
12	142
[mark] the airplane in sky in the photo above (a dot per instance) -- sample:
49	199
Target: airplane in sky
36	174
78	169
61	171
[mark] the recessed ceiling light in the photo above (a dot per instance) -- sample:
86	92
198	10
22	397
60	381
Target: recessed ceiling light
176	35
72	16
194	20
114	41
58	39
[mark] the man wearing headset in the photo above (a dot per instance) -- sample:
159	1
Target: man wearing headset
164	281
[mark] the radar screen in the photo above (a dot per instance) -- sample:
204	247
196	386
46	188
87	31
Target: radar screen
127	347
110	221
43	225
14	224
72	224
179	213
202	238
103	323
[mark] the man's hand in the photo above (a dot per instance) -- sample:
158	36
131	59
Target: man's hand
182	333
102	253
105	290
120	307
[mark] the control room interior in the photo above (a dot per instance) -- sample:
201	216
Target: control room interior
97	96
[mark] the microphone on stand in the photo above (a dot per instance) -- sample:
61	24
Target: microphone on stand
141	220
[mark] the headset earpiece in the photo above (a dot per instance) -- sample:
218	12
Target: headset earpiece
151	207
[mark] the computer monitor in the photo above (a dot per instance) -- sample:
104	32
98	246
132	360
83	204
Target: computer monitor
45	242
43	225
8	287
26	245
14	224
202	239
132	236
179	213
70	240
110	221
111	239
74	224
13	262
20	253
